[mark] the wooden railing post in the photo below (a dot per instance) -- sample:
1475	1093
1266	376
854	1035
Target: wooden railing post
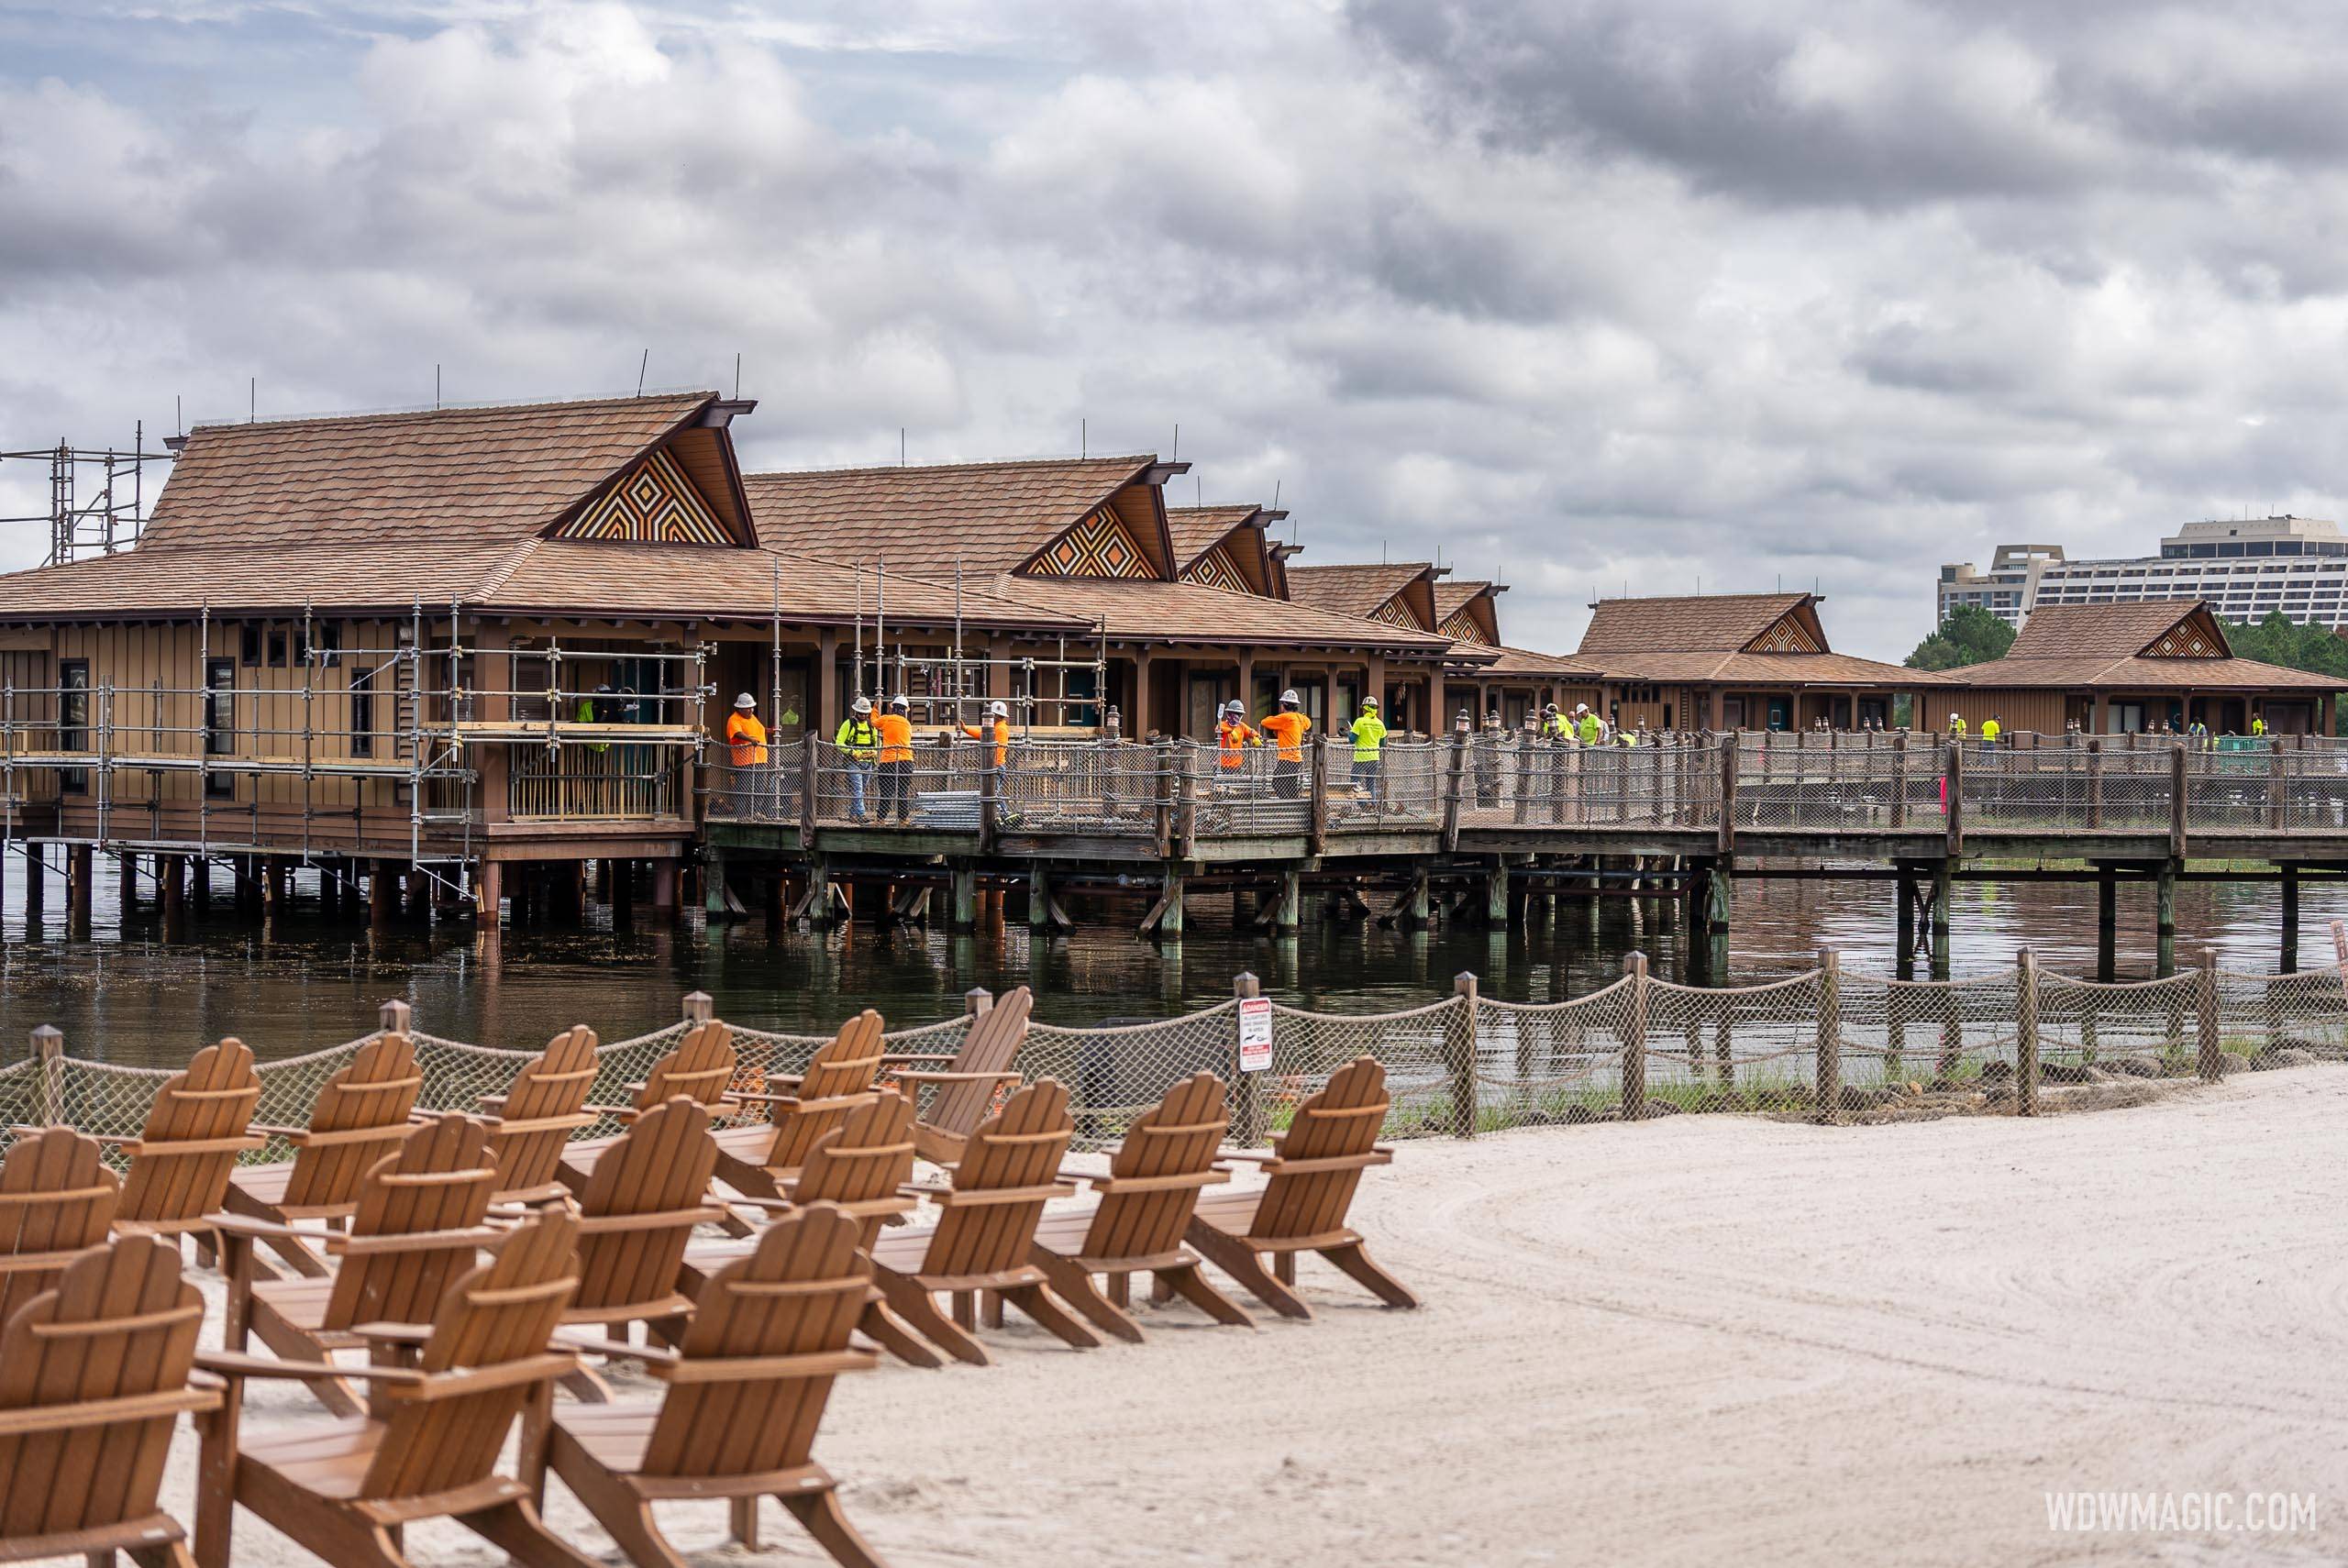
1186	799
1827	1101
1464	1109
2205	996
1956	778
1725	841
2276	788
1457	772
49	1097
395	1017
977	1000
1161	760
1317	804
811	777
2026	1033
699	1007
990	807
2177	801
1635	1041
1246	1098
2095	781
1899	780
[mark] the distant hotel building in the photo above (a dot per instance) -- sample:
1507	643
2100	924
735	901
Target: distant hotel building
2296	565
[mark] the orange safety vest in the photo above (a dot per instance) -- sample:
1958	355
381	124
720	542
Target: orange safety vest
1289	729
896	737
748	739
1002	740
1234	736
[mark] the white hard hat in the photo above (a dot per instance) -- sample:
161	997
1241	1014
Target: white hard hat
1369	702
1582	707
745	701
899	702
998	710
1290	698
861	706
1233	707
1957	715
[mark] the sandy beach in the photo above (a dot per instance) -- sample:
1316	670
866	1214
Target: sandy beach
1698	1341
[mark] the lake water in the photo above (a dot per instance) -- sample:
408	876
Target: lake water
314	980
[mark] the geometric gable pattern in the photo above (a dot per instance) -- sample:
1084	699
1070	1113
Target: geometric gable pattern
1216	570
1098	547
1462	627
1395	612
655	504
2189	638
1788	636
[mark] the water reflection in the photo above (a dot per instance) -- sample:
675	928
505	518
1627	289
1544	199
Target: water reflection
313	978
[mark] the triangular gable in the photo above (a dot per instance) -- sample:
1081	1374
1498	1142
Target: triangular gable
2197	635
1795	632
1395	613
1463	627
1100	545
1217	569
650	503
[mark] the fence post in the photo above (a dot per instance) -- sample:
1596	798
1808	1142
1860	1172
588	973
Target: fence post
1161	765
2026	1035
2340	951
1635	1041
990	807
1956	781
1725	843
811	777
395	1017
1899	780
1459	768
1186	799
699	1007
977	1000
1317	804
1828	1101
1246	1098
49	1050
2176	798
2095	781
2205	997
1464	1109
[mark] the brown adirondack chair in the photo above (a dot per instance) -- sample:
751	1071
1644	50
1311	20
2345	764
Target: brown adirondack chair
756	1160
701	1069
637	1211
343	1489
746	1392
1313	1168
979	1244
966	1087
57	1197
181	1161
1147	1201
418	1225
859	1167
94	1374
359	1116
531	1123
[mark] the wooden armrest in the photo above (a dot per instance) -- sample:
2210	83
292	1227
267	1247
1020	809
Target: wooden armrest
651	1355
982	1198
624	1112
748	1369
232	1363
271	1129
659	1219
1106	1185
395	1333
959	1077
859	1209
415	1242
1326	1162
891	1058
1253	1156
267	1229
38	1263
84	1414
520	1372
499	1126
747	1097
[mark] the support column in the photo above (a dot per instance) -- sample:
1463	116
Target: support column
1169	923
2165	919
489	898
1496	895
1417	907
1039	897
712	890
172	868
1290	912
2106	922
963	882
1904	897
79	868
36	880
272	887
1941	886
128	865
2290	919
1720	907
664	888
200	873
419	893
619	887
383	894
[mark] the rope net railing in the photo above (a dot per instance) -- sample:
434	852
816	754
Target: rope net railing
1823	1043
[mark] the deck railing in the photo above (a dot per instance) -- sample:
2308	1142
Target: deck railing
1184	791
590	783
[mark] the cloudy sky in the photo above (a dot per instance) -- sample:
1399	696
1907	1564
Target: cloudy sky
1592	293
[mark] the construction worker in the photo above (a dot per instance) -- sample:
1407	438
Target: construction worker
1588	727
2258	725
1287	729
744	733
1555	724
896	765
1369	740
860	741
998	730
1991	730
1233	735
1957	724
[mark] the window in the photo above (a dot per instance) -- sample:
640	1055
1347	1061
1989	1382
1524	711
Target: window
249	647
277	647
73	721
219	723
362	713
325	642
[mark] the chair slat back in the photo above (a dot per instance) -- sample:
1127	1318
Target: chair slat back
1176	1137
701	1068
1343	1118
869	1157
1020	1146
56	1196
374	1090
661	1165
799	1294
842	1066
550	1089
441	1178
500	1311
210	1101
118	1323
992	1046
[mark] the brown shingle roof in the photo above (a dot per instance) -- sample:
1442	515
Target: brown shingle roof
1198	529
1353	590
499	474
1524	662
986	517
1716	665
1480	600
1183	612
2089	672
2106	631
1721	622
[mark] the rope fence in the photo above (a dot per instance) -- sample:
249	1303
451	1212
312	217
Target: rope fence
1824	1043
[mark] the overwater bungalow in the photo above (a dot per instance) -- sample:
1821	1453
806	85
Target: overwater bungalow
1515	683
2110	669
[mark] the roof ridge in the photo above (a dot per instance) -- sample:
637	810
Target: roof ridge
450	409
1129	458
502	573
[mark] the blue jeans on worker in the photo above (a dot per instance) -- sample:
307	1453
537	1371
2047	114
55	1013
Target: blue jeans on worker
857	774
1370	776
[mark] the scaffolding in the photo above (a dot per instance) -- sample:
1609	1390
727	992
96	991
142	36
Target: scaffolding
99	520
962	683
90	737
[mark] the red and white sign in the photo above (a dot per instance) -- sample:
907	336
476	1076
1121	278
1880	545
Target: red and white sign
1254	1034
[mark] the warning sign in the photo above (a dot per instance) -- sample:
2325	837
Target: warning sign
1254	1034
